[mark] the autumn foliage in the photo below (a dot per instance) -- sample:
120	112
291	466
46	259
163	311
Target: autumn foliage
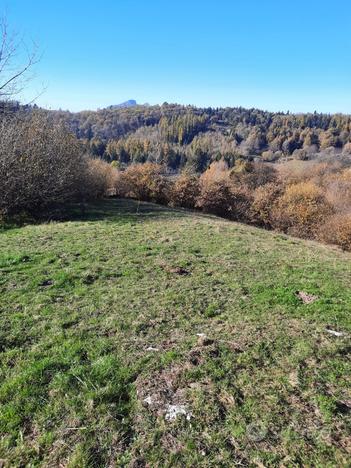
313	204
146	182
337	230
185	191
301	209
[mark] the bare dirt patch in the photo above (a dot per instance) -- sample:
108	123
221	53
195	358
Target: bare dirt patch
175	269
164	393
163	389
306	298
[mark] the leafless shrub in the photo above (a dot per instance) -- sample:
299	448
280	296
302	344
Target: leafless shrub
40	163
101	180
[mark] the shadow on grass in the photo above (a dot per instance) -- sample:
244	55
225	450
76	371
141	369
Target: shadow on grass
114	210
122	210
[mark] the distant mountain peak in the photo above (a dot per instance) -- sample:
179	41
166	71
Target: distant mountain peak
129	103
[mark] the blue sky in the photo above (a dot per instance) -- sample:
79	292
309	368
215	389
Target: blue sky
272	54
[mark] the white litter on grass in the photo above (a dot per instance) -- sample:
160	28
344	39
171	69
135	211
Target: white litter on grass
173	411
148	400
151	348
333	332
201	335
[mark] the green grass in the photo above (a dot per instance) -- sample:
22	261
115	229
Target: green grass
83	300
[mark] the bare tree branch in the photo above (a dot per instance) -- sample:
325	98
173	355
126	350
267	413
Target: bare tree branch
14	68
17	75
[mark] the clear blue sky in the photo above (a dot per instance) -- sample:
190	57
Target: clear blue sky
272	54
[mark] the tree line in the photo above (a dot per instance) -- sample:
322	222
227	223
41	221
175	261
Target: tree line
186	136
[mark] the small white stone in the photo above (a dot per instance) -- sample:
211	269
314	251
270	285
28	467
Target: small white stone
148	400
173	411
333	332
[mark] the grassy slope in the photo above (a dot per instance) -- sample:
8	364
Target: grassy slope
81	302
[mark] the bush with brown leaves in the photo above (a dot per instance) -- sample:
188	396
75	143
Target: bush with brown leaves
338	191
264	199
147	182
218	195
185	191
301	209
337	230
253	175
216	198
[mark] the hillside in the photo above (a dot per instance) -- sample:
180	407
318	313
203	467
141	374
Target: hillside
187	136
137	335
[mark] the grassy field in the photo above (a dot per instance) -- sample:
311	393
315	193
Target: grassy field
113	322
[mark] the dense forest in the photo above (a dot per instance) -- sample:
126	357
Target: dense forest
185	136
